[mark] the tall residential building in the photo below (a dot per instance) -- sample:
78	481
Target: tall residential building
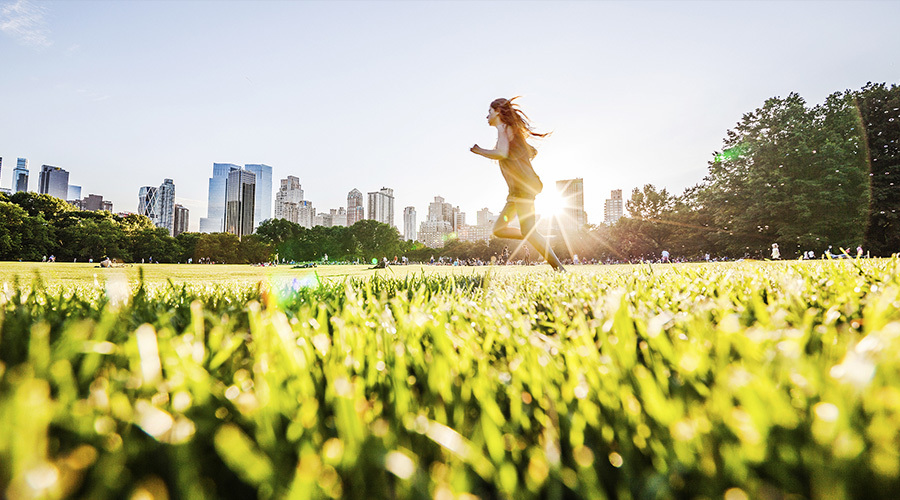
409	223
381	206
435	233
485	218
339	217
74	192
459	219
181	219
440	223
355	209
165	201
20	176
287	199
214	222
53	181
306	214
573	216
613	209
263	192
322	219
147	205
240	199
439	210
481	231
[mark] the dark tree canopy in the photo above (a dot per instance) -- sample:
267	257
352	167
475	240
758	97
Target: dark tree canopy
792	175
879	112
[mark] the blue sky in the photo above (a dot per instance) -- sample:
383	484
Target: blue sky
369	94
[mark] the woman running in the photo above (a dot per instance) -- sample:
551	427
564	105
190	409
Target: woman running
515	157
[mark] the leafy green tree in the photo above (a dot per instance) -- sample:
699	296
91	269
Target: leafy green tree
648	203
12	219
650	210
135	222
254	250
186	245
344	244
376	240
416	251
789	174
22	237
632	240
44	204
277	231
286	238
218	247
93	237
691	226
879	111
152	244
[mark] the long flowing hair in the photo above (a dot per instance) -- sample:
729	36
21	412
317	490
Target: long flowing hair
515	118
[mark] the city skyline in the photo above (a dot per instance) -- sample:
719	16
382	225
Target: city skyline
158	204
633	92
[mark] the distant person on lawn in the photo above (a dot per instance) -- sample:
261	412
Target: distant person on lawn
515	157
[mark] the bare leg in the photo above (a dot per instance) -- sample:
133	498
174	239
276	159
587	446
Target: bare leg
501	226
525	213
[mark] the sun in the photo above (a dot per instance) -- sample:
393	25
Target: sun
550	204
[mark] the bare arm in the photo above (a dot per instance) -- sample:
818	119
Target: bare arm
500	151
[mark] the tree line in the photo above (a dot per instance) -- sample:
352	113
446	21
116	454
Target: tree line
37	226
804	177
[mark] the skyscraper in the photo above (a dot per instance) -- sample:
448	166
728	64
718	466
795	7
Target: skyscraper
381	206
263	192
147	203
53	181
289	195
20	176
409	223
74	192
573	215
214	222
240	201
181	219
165	201
613	209
355	209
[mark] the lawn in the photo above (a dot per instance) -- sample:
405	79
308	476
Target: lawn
771	380
79	274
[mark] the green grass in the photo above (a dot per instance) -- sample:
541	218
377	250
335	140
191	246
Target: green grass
85	274
743	380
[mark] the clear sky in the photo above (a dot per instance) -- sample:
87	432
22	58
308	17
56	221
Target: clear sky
369	94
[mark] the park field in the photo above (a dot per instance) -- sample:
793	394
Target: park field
83	274
747	380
